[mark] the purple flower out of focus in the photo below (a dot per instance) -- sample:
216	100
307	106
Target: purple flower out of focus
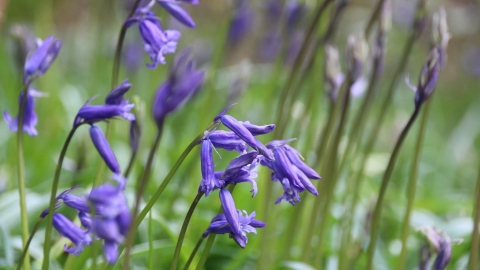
178	12
442	244
233	221
183	82
30	118
110	220
241	22
157	42
41	59
103	148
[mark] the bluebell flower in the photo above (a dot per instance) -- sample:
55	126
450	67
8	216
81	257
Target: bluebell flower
238	163
70	230
227	140
442	244
183	82
209	181
241	23
58	200
258	130
243	133
230	211
109	231
41	59
96	113
30	119
115	97
245	174
157	42
290	171
247	223
178	12
104	149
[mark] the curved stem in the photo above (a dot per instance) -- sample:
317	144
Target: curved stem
130	163
473	261
412	186
194	252
206	251
138	196
383	189
21	176
25	249
178	247
53	195
151	259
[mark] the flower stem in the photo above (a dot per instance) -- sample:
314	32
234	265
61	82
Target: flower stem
130	163
138	196
206	251
21	177
151	259
194	252
374	231
412	186
25	249
53	195
473	262
166	181
184	230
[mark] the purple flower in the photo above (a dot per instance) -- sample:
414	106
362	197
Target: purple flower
109	231
227	140
442	244
183	82
95	113
157	42
115	97
245	174
247	223
230	211
428	77
241	23
58	200
30	119
68	229
238	163
209	181
178	12
41	59
258	130
294	157
103	148
243	133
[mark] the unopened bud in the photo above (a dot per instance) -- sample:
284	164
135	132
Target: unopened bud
428	77
332	72
357	53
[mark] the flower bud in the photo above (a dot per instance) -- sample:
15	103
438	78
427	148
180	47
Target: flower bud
428	77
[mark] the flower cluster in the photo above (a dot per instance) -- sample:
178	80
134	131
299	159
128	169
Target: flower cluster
103	214
283	160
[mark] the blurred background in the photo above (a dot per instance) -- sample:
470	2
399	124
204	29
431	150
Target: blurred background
248	49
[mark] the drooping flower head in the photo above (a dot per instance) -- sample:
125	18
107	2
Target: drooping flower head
174	8
30	119
241	22
442	245
157	42
104	149
209	181
183	82
41	59
80	238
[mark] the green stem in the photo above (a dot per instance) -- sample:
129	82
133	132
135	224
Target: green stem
150	242
130	163
279	131
473	261
21	176
142	184
412	186
25	249
178	247
53	195
166	181
206	251
377	213
194	252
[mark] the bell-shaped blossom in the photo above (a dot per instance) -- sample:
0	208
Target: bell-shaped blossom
245	174
104	149
294	157
230	211
238	163
442	244
183	82
115	97
41	59
428	77
70	230
58	200
209	181
258	130
30	119
247	223
243	133
157	42
227	140
96	113
178	12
